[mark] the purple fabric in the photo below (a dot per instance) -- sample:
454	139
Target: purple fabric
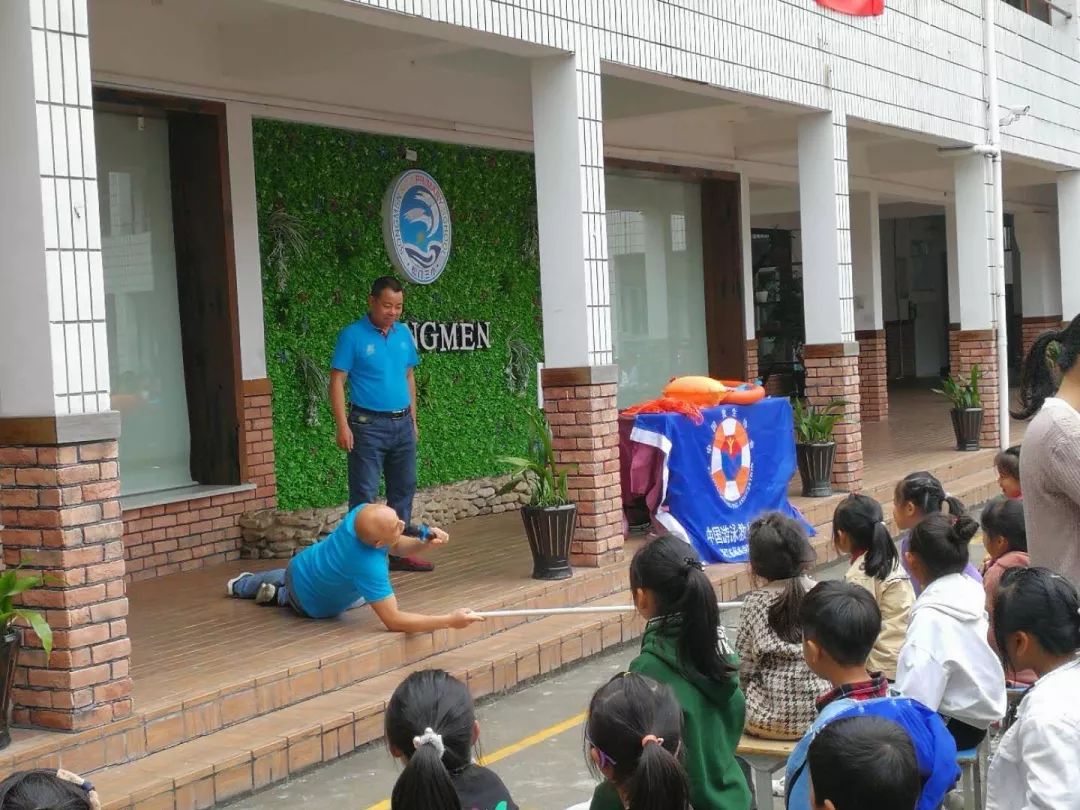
905	543
641	471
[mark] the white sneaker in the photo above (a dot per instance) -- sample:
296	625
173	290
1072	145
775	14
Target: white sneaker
778	786
234	580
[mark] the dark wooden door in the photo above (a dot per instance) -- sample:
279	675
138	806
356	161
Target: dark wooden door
721	249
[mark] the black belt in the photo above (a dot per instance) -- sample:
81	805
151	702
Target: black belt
387	414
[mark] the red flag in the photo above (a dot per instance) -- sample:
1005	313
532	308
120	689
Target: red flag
860	8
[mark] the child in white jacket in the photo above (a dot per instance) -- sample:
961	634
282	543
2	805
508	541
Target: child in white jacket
1037	626
946	662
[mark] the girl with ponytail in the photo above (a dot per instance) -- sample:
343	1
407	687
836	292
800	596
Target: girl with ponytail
431	725
1050	454
1037	626
684	648
946	662
633	738
859	531
917	495
781	691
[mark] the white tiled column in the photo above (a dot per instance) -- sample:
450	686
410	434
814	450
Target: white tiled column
952	260
749	308
1068	188
52	303
1040	276
571	211
869	319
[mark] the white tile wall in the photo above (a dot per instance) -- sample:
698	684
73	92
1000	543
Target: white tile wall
68	168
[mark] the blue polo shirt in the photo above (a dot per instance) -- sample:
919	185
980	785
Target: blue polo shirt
328	577
377	364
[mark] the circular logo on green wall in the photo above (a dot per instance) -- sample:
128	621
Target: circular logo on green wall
416	226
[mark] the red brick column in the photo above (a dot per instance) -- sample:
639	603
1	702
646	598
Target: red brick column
259	440
1033	326
832	372
752	370
873	375
580	407
967	347
62	517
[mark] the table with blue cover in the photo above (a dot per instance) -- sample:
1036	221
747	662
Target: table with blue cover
717	477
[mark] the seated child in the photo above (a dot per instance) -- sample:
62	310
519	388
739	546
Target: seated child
633	739
780	689
684	648
840	622
946	661
863	762
54	790
1007	464
1037	623
350	567
859	531
430	724
1005	539
917	495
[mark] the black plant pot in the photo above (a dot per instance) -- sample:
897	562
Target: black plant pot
967	425
815	468
9	654
550	530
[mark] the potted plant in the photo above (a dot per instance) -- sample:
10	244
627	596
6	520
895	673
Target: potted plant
815	449
967	410
12	583
550	518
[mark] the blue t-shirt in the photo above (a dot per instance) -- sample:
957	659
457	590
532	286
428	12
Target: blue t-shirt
328	577
377	364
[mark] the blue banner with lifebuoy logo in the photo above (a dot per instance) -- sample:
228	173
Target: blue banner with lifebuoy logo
722	474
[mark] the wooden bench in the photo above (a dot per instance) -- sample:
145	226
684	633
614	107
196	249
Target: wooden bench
765	758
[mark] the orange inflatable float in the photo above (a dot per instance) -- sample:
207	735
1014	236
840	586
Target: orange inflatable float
705	392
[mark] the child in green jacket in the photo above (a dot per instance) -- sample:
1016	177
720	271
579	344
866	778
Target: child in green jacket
683	648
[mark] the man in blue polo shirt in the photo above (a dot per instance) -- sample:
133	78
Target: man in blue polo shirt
376	356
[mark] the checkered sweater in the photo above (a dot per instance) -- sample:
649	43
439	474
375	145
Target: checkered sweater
780	689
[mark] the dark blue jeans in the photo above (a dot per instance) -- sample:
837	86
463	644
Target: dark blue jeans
382	445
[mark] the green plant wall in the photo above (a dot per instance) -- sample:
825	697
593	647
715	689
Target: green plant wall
319	194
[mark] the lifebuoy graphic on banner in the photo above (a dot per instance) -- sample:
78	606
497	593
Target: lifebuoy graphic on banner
732	461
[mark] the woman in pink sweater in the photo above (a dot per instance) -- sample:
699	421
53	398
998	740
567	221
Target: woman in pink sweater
1005	540
1050	454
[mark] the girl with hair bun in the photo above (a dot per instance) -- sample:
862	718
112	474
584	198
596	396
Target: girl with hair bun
1050	454
1037	626
633	738
946	662
430	723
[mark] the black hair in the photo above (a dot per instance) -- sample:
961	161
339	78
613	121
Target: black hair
383	283
685	597
864	761
926	492
779	550
1007	462
1037	378
623	714
1004	517
1039	602
843	619
429	699
41	790
941	542
860	518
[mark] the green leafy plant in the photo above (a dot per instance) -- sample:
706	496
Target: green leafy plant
285	233
547	481
519	366
316	383
963	395
814	424
12	583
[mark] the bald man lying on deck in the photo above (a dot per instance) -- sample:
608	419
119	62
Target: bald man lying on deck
348	568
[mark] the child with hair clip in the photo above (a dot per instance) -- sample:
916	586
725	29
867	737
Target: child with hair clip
780	688
633	739
684	647
1037	624
431	725
946	662
1005	540
1007	464
859	531
917	495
